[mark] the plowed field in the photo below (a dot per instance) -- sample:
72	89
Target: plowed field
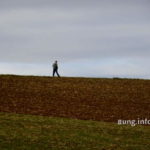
81	98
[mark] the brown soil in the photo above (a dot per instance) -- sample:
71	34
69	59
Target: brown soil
81	98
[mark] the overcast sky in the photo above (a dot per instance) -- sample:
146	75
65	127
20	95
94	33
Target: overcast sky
90	38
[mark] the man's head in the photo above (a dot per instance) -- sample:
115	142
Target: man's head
56	61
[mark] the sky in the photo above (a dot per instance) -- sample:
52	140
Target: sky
89	38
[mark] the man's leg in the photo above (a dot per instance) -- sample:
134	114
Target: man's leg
53	72
57	73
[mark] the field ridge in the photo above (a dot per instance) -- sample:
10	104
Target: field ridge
81	98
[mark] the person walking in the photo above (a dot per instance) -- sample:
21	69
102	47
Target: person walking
55	69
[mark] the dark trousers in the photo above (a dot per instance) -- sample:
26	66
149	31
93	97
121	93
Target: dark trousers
55	70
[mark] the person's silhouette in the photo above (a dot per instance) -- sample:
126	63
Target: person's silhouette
55	69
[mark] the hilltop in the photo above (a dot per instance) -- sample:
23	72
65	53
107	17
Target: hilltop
81	98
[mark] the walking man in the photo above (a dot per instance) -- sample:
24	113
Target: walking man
55	69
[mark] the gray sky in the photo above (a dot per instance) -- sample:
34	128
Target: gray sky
100	38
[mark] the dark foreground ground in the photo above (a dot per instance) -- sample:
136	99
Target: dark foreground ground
81	98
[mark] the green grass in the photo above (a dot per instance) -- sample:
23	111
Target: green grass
27	132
